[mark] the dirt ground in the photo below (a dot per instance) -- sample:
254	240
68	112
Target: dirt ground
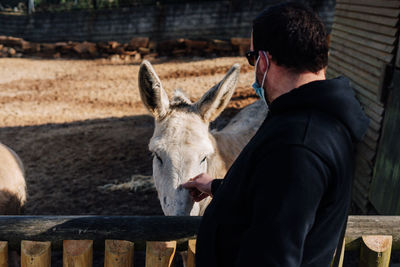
79	124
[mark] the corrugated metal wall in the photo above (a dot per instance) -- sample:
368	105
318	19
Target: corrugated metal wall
363	39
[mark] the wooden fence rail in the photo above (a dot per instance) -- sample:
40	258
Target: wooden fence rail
159	236
137	229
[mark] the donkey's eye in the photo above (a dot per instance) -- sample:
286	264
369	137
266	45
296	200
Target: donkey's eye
203	160
158	157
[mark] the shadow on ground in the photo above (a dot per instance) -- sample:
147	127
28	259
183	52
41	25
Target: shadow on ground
65	163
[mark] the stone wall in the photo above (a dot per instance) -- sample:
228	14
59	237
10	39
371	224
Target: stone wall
193	20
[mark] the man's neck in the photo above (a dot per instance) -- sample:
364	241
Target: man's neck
286	81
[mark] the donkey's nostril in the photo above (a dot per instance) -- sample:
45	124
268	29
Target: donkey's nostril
165	200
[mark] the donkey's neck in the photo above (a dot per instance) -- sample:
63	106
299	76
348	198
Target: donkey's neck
229	145
218	165
231	140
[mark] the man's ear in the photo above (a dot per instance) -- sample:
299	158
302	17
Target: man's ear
264	61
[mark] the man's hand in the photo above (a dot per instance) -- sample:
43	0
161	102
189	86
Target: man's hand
199	186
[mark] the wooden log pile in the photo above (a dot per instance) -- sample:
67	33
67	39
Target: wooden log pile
136	49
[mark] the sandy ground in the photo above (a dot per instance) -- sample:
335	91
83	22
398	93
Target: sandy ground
78	125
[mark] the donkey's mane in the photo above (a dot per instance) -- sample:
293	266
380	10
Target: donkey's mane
180	101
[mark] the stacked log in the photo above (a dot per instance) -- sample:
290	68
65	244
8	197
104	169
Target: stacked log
136	49
242	45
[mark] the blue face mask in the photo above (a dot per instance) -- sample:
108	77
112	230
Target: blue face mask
256	86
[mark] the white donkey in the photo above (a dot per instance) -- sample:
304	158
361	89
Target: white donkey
182	144
12	182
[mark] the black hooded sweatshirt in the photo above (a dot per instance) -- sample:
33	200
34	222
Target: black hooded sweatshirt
284	201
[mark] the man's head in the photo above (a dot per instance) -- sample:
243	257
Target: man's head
294	37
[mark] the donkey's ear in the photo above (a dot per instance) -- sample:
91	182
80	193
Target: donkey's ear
151	91
215	100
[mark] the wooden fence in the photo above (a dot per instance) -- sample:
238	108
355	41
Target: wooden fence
159	236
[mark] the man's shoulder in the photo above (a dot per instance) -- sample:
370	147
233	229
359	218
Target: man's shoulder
312	129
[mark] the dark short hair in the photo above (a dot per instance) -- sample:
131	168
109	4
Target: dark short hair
293	35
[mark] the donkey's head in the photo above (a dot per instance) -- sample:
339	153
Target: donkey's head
182	145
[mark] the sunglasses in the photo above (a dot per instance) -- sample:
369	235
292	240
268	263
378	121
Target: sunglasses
252	57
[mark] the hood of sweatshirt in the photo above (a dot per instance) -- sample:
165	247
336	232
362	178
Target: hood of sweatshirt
334	97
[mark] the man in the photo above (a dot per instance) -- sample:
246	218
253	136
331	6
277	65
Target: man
284	201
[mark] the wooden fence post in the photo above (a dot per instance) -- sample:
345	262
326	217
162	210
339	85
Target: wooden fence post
118	253
3	254
77	253
341	255
35	254
375	251
191	253
160	254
